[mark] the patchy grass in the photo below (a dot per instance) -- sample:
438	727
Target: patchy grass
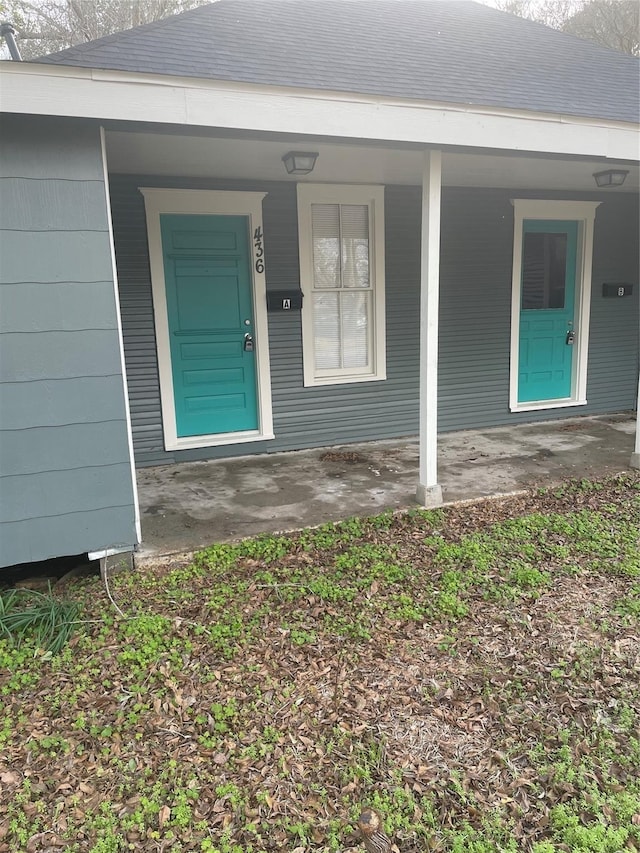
473	673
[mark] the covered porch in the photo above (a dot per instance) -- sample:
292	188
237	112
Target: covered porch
380	295
189	506
447	320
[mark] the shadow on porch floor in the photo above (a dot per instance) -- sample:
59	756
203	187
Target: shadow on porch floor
191	505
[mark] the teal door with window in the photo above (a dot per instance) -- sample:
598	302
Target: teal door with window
547	303
210	315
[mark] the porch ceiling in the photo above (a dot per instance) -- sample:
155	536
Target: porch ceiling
210	157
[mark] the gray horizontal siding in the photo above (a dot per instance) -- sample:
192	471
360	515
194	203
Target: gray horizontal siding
28	451
59	355
477	238
62	402
48	537
54	256
39	204
475	309
615	323
65	468
62	307
51	151
61	492
137	316
303	417
475	306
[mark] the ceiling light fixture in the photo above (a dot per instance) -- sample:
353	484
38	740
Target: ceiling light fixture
610	177
300	162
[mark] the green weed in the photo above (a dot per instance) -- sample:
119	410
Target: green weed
26	613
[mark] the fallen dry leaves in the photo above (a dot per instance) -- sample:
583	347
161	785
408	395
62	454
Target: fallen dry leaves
158	734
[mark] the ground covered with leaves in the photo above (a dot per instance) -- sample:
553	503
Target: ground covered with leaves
473	673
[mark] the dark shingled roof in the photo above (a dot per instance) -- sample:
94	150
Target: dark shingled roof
454	51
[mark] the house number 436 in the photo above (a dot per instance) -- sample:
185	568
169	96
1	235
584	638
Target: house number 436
258	249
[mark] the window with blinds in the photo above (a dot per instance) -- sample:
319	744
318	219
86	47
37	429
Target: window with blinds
342	283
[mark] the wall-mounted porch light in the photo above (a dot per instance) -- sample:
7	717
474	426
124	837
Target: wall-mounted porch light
299	162
610	177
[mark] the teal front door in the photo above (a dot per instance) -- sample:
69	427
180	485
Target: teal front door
547	303
210	316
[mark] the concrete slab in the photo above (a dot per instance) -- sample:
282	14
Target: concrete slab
188	506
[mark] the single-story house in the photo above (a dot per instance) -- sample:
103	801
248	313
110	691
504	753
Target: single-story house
266	225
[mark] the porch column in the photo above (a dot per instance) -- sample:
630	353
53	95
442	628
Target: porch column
635	456
429	492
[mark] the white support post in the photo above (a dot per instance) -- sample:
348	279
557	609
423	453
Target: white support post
429	492
635	456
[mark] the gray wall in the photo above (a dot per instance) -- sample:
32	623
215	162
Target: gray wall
65	471
477	243
477	238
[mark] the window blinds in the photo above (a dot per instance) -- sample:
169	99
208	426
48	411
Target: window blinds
342	298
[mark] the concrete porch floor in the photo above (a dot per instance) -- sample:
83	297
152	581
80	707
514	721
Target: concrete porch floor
188	506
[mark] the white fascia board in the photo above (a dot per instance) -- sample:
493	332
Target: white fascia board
111	95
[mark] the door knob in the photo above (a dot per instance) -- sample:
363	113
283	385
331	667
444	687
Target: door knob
248	343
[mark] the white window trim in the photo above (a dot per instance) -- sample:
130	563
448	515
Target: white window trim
223	203
373	197
582	212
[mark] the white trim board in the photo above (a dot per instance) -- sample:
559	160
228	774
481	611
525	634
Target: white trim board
91	93
125	388
584	213
222	203
429	492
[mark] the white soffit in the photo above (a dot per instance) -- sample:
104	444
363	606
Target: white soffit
198	156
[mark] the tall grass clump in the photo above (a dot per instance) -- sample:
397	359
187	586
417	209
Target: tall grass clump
28	613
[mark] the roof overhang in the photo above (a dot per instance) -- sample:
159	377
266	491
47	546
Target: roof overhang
39	89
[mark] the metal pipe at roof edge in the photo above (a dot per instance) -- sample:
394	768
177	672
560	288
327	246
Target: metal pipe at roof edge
7	31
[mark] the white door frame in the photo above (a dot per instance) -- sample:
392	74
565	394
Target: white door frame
582	212
220	203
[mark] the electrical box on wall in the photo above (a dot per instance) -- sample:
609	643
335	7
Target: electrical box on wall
284	300
617	289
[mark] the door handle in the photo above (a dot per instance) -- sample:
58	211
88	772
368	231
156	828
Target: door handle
248	343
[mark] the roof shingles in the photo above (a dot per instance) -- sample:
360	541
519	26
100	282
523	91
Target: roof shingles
433	50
